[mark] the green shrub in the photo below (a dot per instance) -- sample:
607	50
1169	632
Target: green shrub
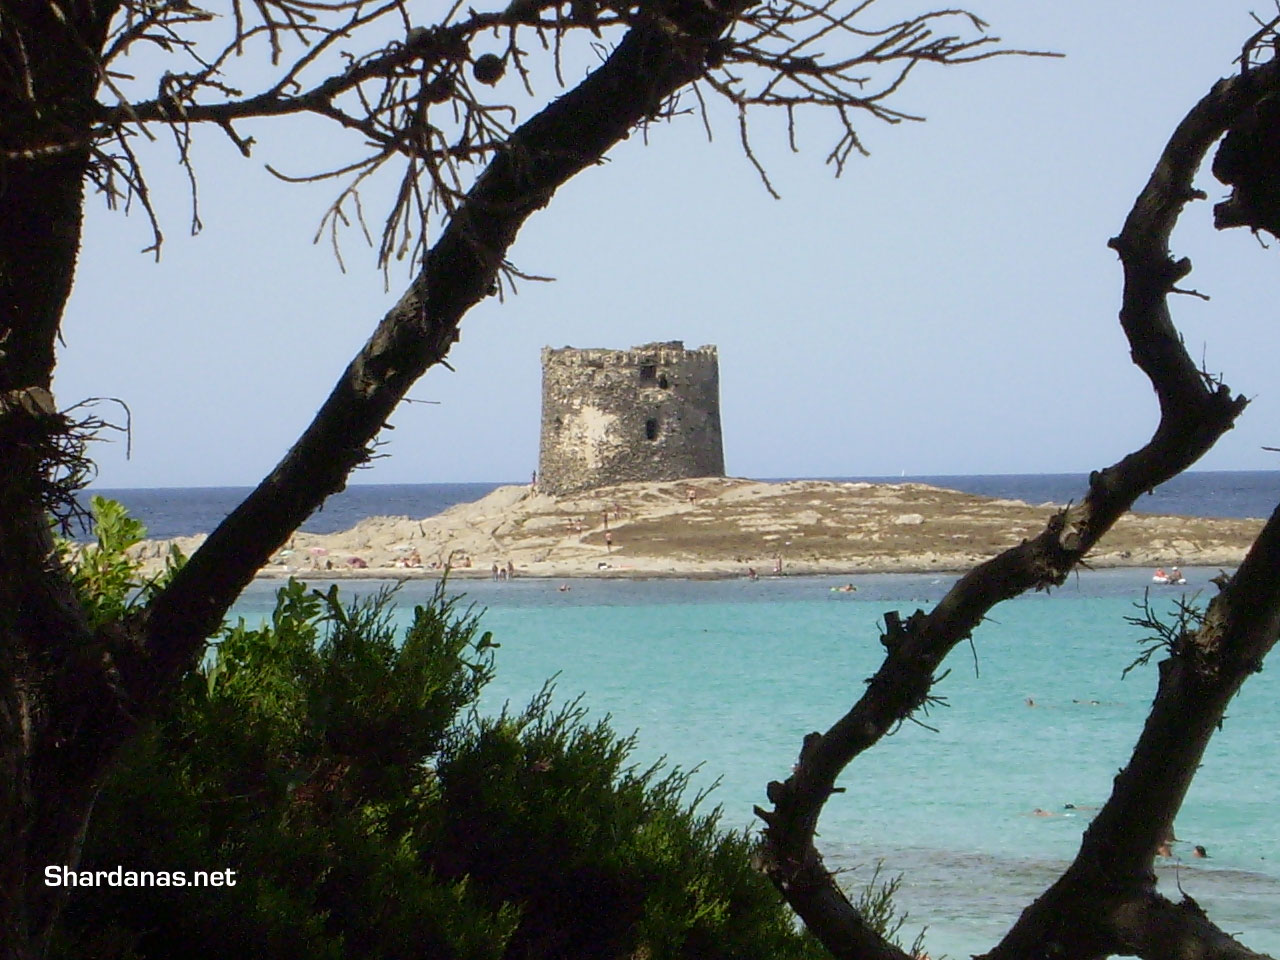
337	764
108	581
607	860
298	756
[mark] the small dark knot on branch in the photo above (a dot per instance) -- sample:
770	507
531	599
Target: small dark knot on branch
894	631
799	65
810	746
897	630
1175	270
1189	905
777	792
1059	519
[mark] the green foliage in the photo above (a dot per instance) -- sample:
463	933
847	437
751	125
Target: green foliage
876	906
107	579
298	756
542	809
336	763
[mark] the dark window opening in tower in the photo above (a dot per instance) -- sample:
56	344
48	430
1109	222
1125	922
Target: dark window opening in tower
651	429
648	373
663	382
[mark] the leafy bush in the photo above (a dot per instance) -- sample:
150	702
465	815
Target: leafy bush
606	860
108	581
297	757
337	764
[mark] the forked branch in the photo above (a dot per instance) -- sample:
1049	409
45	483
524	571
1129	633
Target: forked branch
1109	890
1194	413
569	135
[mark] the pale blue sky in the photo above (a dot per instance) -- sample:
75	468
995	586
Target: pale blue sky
947	306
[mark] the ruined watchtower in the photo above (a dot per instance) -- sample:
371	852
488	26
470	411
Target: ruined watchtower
612	416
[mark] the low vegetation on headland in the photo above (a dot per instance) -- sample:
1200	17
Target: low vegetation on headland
333	766
727	527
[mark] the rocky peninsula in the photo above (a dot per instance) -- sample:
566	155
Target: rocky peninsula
726	527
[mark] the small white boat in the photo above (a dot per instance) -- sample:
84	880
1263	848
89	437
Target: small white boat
1175	578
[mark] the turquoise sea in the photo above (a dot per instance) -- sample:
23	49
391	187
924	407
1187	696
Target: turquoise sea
731	674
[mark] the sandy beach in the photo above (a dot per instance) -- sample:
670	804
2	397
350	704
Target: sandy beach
725	527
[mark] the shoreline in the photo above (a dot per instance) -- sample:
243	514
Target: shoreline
722	528
473	575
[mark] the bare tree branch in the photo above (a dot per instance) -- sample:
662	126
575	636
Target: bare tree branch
775	36
653	61
761	62
71	110
1154	927
1195	411
1109	890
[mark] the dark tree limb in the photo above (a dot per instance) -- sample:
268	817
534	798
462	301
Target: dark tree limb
1157	927
69	697
45	643
653	60
1109	890
1195	410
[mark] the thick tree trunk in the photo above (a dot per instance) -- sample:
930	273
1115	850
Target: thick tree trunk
53	686
45	644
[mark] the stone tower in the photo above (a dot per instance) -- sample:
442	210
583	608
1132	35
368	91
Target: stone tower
613	416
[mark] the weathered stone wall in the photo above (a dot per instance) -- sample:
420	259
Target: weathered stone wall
613	416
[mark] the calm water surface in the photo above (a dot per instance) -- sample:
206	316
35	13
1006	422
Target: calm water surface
732	674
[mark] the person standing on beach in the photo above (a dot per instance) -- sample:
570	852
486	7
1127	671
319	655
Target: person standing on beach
608	541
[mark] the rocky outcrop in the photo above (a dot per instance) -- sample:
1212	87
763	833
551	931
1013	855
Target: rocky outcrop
724	527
